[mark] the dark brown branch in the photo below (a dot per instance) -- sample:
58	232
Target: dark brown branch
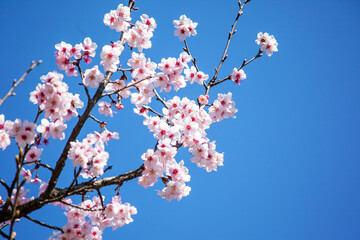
16	83
5	185
43	224
101	198
92	185
57	194
38	114
4	235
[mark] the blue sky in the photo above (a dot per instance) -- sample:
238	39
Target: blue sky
291	167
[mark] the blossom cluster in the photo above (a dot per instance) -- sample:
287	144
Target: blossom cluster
110	56
53	97
267	43
88	219
139	36
90	153
223	107
184	27
66	51
184	123
23	133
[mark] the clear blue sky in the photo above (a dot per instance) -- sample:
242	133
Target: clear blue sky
292	155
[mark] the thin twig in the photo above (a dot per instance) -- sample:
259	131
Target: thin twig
128	86
41	165
3	225
14	212
125	69
193	59
38	114
97	120
73	181
153	111
44	224
16	83
159	98
101	198
242	65
231	33
5	185
187	50
85	209
247	62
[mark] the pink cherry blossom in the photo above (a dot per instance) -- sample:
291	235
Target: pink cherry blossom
238	75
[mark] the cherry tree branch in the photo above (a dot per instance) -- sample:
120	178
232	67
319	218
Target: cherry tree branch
97	120
193	59
5	185
81	208
153	111
126	87
242	65
4	235
159	98
43	224
231	33
16	83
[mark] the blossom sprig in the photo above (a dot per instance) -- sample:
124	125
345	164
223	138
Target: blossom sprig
80	51
267	43
185	27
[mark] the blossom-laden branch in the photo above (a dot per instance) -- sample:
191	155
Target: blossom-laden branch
58	194
17	82
183	123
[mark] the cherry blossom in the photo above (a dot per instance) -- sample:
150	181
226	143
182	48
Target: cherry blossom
33	154
105	108
238	75
267	43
